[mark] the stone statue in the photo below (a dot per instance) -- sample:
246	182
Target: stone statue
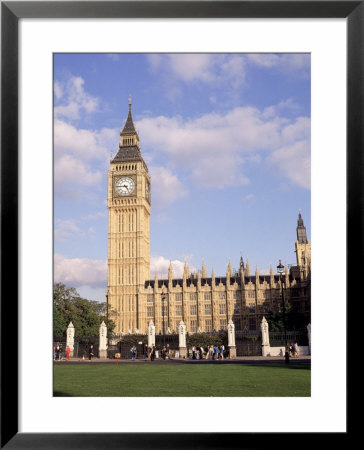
103	340
182	334
265	331
231	334
70	337
151	334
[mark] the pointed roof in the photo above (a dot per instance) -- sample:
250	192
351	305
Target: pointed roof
129	127
129	153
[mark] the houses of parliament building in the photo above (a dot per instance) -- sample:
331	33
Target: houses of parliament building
204	303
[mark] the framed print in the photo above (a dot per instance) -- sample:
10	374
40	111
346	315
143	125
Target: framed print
34	36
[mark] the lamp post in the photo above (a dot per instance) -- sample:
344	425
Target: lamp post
163	310
280	269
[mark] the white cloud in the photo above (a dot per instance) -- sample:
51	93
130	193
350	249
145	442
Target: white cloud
113	56
285	61
159	265
191	67
167	188
295	162
88	144
68	169
80	271
74	99
65	229
214	147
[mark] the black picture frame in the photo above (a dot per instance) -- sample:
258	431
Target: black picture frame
11	12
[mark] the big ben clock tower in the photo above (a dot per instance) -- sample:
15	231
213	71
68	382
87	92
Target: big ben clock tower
128	201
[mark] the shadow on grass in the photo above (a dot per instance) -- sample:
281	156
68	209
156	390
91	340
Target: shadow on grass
61	394
286	366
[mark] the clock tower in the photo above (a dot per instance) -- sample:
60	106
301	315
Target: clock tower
128	202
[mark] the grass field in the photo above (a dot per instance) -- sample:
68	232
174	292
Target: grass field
187	380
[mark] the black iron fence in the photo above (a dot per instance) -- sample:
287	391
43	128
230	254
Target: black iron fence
278	338
82	347
248	343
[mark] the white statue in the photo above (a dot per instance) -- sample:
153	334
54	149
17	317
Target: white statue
231	334
70	337
151	334
103	340
182	334
265	331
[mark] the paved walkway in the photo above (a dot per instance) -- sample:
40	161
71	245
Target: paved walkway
239	360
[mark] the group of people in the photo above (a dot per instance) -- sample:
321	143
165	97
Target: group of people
214	352
293	350
58	352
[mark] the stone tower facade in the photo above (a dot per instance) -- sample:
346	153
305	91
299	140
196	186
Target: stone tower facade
128	202
204	303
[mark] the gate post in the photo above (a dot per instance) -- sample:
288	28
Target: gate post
231	340
265	337
70	338
309	338
103	340
182	340
151	334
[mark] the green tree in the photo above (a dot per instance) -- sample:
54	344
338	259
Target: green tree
86	315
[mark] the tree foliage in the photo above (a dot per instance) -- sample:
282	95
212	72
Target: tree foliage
285	317
86	315
203	339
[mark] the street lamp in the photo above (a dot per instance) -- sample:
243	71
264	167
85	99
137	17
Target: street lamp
163	310
280	269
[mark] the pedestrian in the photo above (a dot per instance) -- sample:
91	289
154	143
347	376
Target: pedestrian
54	352
167	352
60	352
91	352
68	351
207	352
201	351
295	350
152	353
193	352
211	351
164	352
133	353
222	349
291	349
216	352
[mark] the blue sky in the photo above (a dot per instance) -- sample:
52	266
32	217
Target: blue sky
227	141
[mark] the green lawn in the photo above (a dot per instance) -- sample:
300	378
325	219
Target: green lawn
185	380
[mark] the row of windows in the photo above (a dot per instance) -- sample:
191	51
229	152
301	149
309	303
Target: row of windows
207	310
207	296
193	310
126	167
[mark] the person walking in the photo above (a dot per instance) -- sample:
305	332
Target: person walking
152	353
295	350
216	352
133	353
222	349
68	351
211	351
91	352
193	352
60	351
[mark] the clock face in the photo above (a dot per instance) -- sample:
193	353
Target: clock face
124	186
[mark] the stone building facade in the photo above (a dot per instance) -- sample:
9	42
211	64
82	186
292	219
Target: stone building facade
204	303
